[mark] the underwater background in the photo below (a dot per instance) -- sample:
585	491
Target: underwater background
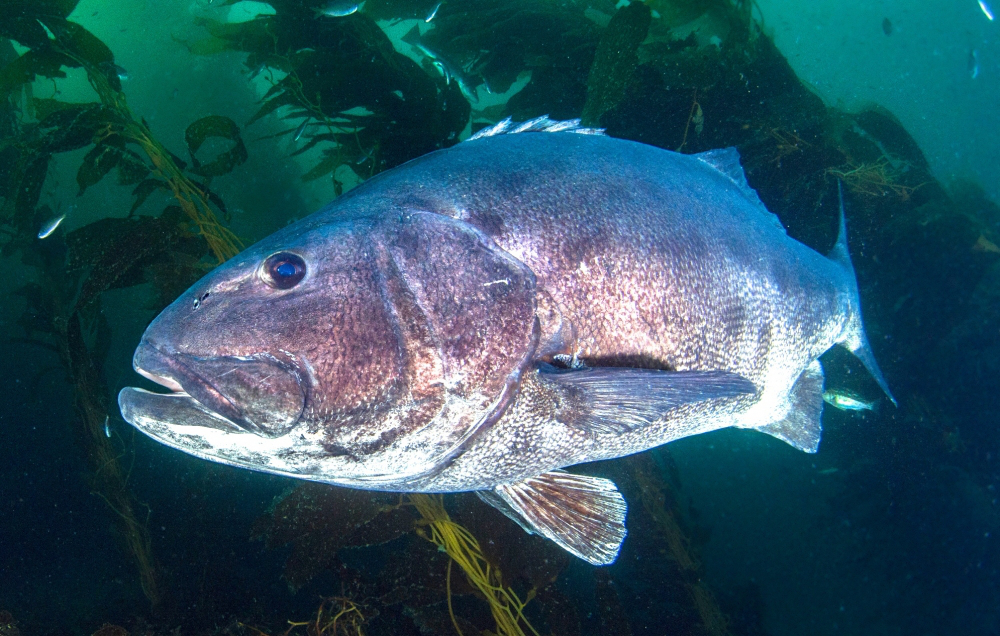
169	135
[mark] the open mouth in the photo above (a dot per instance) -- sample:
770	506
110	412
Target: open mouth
176	371
162	380
146	409
254	394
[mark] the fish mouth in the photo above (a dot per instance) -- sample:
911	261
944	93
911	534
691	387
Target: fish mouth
257	394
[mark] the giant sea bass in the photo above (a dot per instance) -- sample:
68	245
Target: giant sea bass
484	316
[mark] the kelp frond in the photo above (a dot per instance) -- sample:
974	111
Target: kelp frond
463	548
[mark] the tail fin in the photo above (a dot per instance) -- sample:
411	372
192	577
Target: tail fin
854	336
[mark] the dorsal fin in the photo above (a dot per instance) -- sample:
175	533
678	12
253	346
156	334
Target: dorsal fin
538	124
727	162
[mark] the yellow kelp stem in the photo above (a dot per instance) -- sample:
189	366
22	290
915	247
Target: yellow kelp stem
193	201
464	550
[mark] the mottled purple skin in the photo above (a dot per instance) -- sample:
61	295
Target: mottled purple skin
435	288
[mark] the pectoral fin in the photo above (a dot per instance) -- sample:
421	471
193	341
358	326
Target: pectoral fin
618	400
584	515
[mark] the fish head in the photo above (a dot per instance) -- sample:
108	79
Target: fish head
360	352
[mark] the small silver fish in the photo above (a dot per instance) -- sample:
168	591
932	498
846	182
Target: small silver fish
51	226
986	9
301	129
255	71
847	401
107	427
443	70
434	12
973	63
339	8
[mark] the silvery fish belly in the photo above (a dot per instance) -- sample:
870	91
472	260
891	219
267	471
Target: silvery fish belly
484	316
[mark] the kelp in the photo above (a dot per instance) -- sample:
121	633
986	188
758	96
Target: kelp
500	39
63	314
660	504
317	521
464	550
108	125
615	61
344	87
73	271
323	526
336	616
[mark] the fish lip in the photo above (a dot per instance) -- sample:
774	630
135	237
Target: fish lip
164	367
162	380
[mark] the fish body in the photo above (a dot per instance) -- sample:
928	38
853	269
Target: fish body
973	63
433	12
486	315
847	401
300	129
452	72
114	69
51	226
448	70
987	11
338	8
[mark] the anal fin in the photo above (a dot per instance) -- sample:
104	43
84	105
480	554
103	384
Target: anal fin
583	515
802	426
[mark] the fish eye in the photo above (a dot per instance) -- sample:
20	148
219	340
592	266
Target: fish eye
283	270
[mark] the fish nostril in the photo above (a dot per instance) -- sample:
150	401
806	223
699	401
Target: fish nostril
200	299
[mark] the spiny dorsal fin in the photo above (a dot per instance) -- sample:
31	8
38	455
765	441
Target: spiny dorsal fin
727	162
583	515
802	426
538	124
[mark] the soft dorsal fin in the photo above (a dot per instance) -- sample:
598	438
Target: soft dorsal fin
538	124
584	515
727	162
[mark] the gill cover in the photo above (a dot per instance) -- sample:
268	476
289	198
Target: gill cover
464	311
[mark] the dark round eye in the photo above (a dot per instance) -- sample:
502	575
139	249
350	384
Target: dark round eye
283	270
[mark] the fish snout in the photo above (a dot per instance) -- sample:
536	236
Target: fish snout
260	394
